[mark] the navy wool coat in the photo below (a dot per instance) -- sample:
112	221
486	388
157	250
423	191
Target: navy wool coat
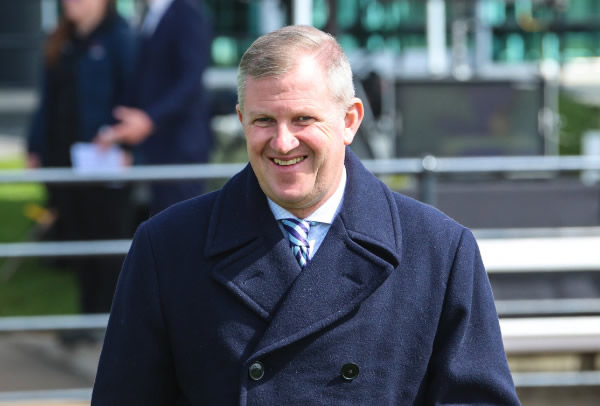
394	309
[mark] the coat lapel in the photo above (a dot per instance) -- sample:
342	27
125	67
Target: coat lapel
253	259
361	249
254	262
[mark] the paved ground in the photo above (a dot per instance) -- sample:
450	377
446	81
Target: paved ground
39	362
587	396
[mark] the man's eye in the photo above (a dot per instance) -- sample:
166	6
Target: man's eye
305	119
263	120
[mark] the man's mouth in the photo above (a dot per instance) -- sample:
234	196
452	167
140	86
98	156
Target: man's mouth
283	162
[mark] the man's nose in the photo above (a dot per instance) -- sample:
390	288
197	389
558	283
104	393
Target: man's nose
284	140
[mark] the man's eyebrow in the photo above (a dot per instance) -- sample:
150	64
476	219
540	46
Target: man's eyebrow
259	113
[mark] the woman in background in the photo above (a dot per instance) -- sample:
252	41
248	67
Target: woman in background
87	64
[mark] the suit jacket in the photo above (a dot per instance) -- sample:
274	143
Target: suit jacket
397	291
167	84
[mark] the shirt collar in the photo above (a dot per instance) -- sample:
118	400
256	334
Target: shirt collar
159	5
156	9
324	214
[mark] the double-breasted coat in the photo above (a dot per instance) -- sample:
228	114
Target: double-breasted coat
212	308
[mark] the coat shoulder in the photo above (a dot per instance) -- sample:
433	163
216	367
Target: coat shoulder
182	220
422	221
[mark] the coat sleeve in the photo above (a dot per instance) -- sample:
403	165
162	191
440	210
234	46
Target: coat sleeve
468	364
136	364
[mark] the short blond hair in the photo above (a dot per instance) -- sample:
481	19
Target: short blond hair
276	53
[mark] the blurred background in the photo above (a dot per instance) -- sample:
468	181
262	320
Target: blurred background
487	109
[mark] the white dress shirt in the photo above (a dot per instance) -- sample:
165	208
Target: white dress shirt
157	9
320	220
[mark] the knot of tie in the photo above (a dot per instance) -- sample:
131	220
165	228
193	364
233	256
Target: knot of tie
297	231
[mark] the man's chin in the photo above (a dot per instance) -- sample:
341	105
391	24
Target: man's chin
290	200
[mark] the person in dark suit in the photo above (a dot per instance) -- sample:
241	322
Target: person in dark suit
168	113
305	280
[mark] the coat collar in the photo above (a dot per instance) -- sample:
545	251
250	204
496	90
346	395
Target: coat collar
242	214
254	262
369	211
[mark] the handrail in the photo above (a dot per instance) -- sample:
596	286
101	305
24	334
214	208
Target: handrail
566	307
414	166
83	395
556	379
541	254
551	334
529	254
13	324
130	174
520	335
548	307
52	249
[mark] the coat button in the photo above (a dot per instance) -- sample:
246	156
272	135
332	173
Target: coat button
349	371
256	371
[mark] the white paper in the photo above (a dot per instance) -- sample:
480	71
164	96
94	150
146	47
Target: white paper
88	157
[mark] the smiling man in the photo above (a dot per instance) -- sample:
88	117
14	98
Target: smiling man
304	280
297	131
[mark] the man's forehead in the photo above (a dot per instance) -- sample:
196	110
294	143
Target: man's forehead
282	105
268	91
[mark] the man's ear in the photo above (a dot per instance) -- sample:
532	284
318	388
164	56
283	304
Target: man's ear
354	116
239	113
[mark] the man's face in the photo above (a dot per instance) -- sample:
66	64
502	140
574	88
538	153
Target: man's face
296	136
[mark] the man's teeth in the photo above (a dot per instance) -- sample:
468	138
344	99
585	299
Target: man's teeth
290	162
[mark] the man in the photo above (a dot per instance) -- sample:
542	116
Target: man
168	114
375	299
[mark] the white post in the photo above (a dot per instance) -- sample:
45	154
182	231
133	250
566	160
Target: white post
271	17
590	146
483	38
49	15
302	12
436	37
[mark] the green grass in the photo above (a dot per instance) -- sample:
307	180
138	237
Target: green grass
575	119
39	289
21	191
29	286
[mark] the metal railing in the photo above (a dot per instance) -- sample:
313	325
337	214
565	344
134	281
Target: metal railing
576	248
426	169
521	335
19	324
528	254
535	250
52	397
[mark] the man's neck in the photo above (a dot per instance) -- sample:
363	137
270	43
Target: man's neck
324	212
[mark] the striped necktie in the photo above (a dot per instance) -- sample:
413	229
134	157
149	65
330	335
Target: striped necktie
297	231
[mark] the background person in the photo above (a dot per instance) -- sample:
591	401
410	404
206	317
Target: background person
87	63
304	280
168	114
